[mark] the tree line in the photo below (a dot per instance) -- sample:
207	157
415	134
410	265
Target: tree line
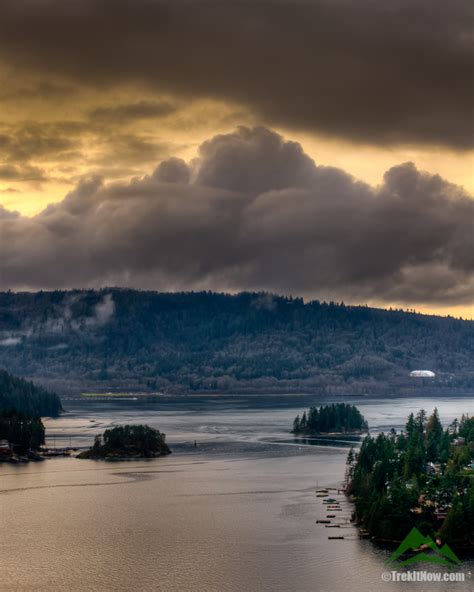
128	440
248	342
22	432
339	417
21	405
26	397
420	477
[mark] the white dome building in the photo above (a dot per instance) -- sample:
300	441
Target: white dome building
422	374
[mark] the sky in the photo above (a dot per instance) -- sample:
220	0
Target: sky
321	148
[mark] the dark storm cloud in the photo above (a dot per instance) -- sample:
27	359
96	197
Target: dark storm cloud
248	161
273	221
4	213
132	112
173	170
370	71
42	90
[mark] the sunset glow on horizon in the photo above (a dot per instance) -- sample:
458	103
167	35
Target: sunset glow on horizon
320	134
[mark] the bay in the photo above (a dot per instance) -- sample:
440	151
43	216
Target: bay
235	513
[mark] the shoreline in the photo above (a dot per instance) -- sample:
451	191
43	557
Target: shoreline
140	395
328	434
120	458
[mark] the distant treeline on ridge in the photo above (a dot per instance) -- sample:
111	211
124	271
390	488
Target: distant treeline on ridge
26	398
116	339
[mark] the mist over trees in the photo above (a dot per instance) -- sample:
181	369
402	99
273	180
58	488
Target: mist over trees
208	342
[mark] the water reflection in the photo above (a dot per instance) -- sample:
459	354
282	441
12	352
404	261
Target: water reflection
237	513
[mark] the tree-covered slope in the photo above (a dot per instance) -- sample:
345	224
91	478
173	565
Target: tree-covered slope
25	397
421	477
119	338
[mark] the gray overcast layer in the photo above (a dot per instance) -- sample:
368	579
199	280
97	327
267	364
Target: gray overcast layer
385	72
252	212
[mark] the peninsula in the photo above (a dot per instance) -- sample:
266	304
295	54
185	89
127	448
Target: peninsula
22	404
422	477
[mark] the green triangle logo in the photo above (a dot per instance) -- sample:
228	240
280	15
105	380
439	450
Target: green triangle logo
416	547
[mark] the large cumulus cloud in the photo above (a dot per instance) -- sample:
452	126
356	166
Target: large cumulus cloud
371	71
253	211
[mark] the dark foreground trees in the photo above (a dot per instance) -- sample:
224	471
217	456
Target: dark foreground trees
128	441
21	405
26	397
23	433
420	477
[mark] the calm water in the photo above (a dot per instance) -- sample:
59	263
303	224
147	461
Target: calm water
237	513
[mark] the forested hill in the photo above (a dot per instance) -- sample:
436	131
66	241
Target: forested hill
125	339
25	397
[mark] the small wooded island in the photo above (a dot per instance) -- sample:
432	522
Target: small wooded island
335	418
422	477
128	441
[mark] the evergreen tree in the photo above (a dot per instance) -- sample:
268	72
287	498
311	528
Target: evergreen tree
296	424
339	417
395	488
434	435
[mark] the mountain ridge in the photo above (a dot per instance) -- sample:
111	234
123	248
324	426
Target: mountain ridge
213	342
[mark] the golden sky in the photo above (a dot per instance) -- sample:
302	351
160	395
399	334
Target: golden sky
362	91
75	133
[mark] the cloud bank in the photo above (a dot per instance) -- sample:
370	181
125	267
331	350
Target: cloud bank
368	71
252	211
